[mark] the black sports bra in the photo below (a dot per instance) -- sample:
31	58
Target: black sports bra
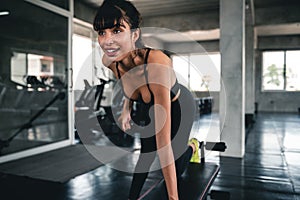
175	90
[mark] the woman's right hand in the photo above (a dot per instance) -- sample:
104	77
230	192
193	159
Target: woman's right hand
124	120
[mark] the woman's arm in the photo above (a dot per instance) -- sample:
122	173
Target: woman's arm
163	138
125	117
160	79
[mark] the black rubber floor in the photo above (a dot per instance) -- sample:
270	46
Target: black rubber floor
269	170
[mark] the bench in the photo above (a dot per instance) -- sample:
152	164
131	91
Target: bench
196	180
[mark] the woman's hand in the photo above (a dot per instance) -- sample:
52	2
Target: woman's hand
125	117
124	120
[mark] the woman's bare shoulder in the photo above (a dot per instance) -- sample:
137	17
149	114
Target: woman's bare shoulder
159	57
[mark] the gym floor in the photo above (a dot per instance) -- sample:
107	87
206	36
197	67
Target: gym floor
269	169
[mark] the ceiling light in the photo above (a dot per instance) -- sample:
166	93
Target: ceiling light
4	13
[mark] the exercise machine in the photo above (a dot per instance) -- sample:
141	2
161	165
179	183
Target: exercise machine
94	120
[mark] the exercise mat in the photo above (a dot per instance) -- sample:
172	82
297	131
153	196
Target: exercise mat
58	165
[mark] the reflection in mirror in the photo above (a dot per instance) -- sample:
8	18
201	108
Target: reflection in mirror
34	70
33	77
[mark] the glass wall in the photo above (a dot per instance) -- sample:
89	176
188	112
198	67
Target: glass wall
33	76
61	3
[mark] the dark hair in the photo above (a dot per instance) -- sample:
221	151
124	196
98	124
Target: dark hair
112	12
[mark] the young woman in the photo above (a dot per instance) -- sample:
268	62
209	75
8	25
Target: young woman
147	77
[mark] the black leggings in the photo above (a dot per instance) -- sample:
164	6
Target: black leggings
182	117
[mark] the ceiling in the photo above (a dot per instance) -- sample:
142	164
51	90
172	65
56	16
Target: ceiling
165	7
152	8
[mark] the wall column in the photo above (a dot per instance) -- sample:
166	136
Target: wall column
232	95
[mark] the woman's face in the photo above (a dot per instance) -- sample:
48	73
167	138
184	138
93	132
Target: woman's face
118	41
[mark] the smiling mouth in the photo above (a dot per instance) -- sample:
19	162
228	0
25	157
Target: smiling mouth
111	52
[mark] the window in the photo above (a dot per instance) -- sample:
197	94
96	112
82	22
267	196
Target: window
82	60
87	59
198	72
281	71
293	70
